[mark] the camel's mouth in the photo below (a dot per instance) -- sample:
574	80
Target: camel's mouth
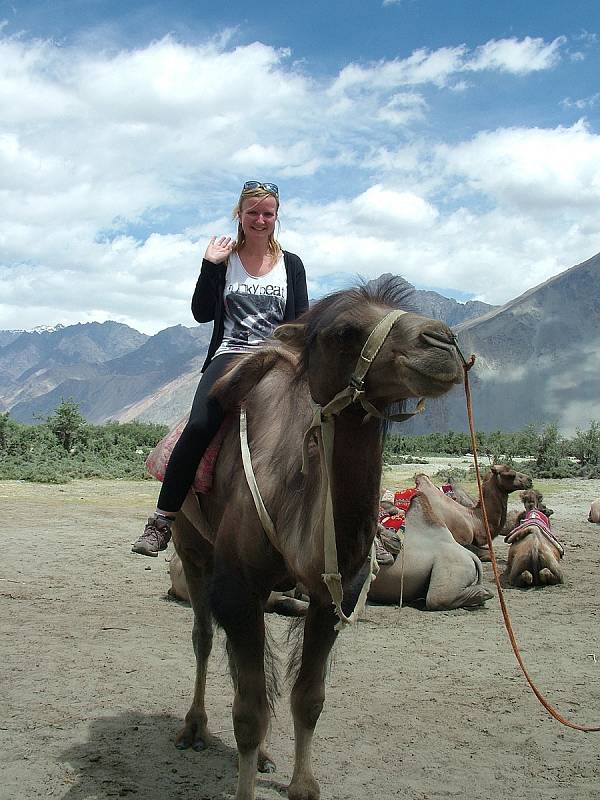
440	378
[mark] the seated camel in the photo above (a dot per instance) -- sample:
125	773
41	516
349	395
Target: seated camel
288	604
594	515
466	524
431	565
531	499
534	553
460	495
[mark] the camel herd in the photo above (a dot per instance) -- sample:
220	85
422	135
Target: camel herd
437	559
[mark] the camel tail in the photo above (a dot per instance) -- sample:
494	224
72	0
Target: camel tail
294	639
271	669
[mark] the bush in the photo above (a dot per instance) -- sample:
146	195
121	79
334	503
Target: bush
65	447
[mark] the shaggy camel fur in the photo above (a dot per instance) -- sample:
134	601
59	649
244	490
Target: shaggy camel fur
466	524
431	565
231	565
594	515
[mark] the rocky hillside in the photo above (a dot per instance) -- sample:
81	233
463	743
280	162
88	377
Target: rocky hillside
432	304
115	372
105	376
538	359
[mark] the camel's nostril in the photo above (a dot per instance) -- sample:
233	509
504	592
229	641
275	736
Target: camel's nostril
438	339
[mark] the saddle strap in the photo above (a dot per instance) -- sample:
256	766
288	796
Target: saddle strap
261	509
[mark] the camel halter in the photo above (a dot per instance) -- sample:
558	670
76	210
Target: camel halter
323	427
467	364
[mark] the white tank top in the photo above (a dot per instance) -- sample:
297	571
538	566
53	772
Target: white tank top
254	307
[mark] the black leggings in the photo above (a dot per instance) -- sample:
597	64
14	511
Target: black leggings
205	420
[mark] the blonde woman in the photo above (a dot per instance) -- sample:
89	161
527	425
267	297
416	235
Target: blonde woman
247	286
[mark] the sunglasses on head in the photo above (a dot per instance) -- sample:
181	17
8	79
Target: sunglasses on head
268	187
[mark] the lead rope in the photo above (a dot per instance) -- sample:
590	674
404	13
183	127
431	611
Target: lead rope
507	623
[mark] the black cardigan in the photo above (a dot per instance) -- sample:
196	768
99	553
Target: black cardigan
208	305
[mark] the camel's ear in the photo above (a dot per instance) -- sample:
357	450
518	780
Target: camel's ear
292	334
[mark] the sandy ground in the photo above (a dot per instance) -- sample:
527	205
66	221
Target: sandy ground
97	668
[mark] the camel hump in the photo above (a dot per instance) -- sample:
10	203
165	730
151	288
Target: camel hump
236	383
421	505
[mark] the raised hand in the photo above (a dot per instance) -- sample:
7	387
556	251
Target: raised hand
219	249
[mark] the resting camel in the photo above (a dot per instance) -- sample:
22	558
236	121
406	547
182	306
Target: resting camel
466	524
531	499
432	565
284	603
534	553
232	564
594	515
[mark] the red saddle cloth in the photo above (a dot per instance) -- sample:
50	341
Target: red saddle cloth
157	460
539	520
402	498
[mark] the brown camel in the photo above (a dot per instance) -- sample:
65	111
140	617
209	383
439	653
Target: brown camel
594	515
231	564
534	553
531	499
466	524
430	565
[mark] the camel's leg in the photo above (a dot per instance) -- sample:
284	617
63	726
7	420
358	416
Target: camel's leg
197	565
308	696
454	585
265	762
240	612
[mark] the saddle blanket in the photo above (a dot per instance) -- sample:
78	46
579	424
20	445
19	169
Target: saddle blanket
157	460
536	518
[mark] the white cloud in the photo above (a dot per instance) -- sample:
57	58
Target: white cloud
533	168
582	103
99	149
516	56
437	67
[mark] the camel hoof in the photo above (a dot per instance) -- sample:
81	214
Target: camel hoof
191	735
526	578
548	578
307	789
264	762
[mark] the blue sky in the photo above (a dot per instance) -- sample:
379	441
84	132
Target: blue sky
455	143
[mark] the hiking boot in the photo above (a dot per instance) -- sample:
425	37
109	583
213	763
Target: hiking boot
381	554
155	537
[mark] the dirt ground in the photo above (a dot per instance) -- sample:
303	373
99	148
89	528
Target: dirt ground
97	668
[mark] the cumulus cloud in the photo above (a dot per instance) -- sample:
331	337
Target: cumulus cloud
517	56
533	168
116	166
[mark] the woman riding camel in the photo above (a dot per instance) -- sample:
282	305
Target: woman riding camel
247	287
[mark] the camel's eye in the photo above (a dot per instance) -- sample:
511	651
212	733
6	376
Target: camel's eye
345	335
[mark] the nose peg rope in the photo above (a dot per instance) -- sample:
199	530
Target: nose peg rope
507	623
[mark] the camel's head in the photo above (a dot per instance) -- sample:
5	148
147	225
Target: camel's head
418	358
508	479
531	499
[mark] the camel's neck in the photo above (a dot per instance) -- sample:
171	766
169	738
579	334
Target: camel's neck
355	486
496	502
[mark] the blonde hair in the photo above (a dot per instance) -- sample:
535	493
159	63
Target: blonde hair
274	247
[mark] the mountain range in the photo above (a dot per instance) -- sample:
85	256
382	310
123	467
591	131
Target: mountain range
537	361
